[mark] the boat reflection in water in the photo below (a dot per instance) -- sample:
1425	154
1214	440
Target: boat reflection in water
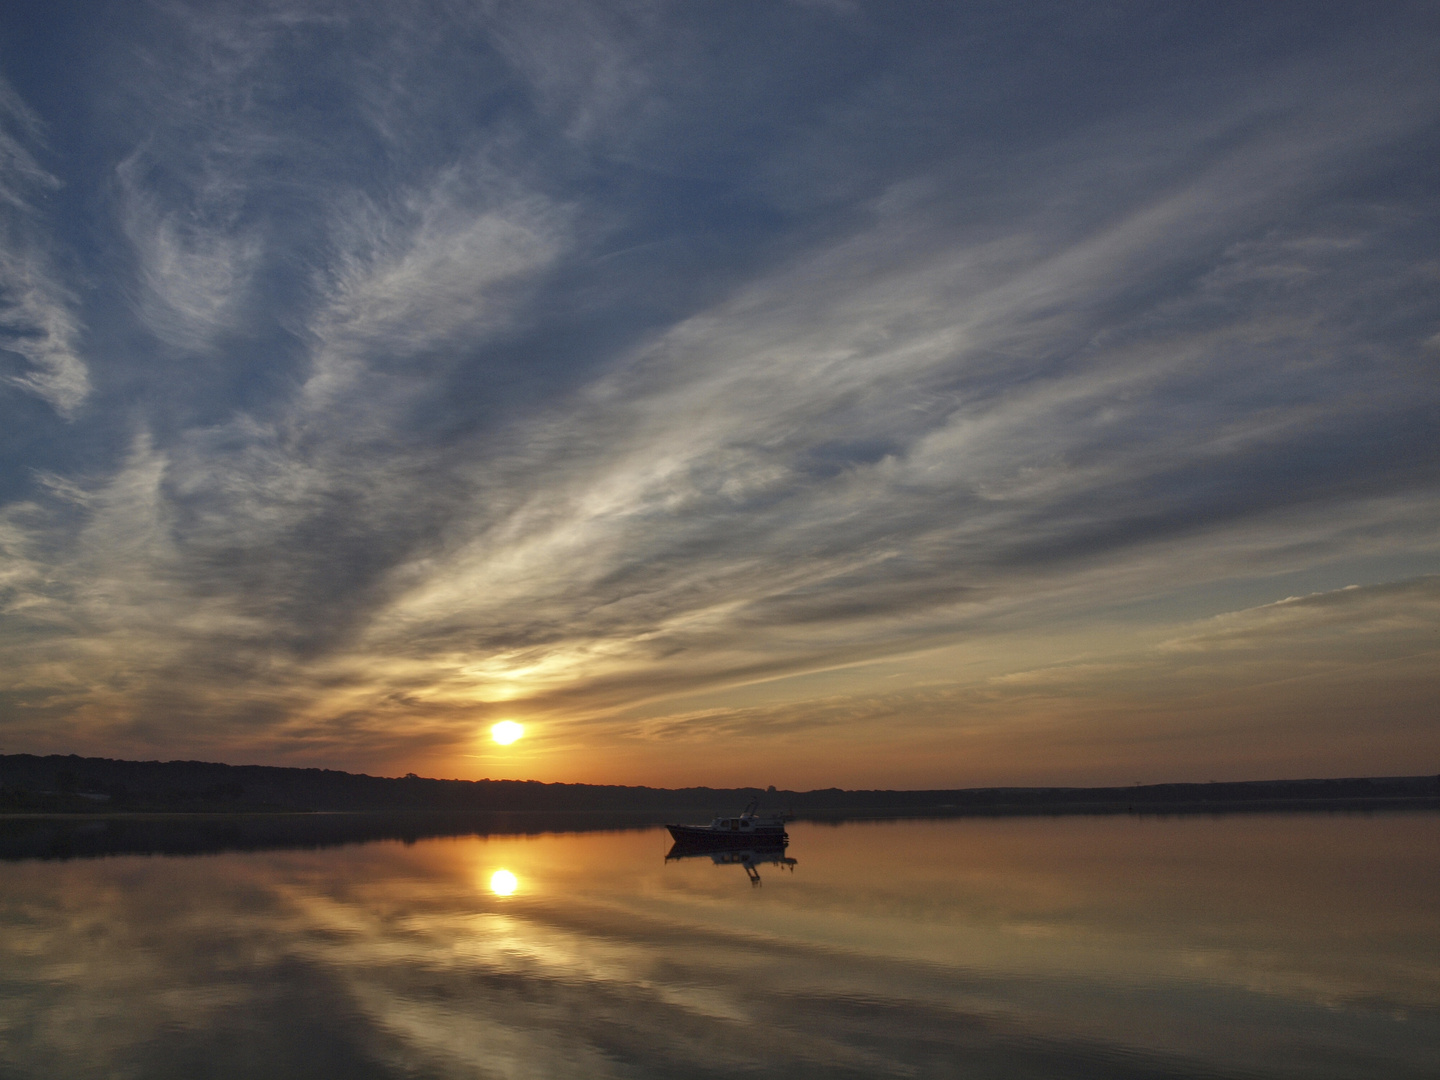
749	839
750	858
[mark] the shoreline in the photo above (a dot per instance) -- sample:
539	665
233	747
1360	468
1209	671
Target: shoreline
1067	807
39	836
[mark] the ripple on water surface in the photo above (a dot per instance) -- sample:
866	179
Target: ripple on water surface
1251	945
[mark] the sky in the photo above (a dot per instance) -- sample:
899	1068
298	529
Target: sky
890	394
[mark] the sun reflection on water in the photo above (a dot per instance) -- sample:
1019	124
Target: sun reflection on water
1233	942
503	882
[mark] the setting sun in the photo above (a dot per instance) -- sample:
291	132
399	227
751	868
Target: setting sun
506	732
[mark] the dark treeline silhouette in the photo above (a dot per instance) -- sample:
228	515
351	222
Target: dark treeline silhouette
72	836
70	784
72	807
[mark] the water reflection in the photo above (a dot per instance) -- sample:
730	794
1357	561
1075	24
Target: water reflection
1267	946
749	858
503	882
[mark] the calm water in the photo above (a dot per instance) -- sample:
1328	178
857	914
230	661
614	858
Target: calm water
1275	946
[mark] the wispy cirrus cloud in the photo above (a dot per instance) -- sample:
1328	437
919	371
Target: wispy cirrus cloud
194	263
1396	608
569	362
38	320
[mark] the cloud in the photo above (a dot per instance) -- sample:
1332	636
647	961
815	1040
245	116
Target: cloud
1407	608
38	323
751	413
439	275
193	272
576	359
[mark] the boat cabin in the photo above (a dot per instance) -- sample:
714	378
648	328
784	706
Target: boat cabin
734	824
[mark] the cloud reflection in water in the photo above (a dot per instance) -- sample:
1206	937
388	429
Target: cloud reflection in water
1087	946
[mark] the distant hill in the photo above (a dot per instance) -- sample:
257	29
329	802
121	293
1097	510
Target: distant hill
71	784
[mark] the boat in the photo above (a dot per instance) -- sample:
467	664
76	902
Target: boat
745	830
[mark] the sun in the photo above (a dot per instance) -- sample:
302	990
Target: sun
506	732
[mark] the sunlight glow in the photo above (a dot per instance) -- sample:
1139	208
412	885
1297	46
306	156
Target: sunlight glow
506	732
503	883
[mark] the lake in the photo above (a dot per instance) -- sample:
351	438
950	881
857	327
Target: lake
1248	945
